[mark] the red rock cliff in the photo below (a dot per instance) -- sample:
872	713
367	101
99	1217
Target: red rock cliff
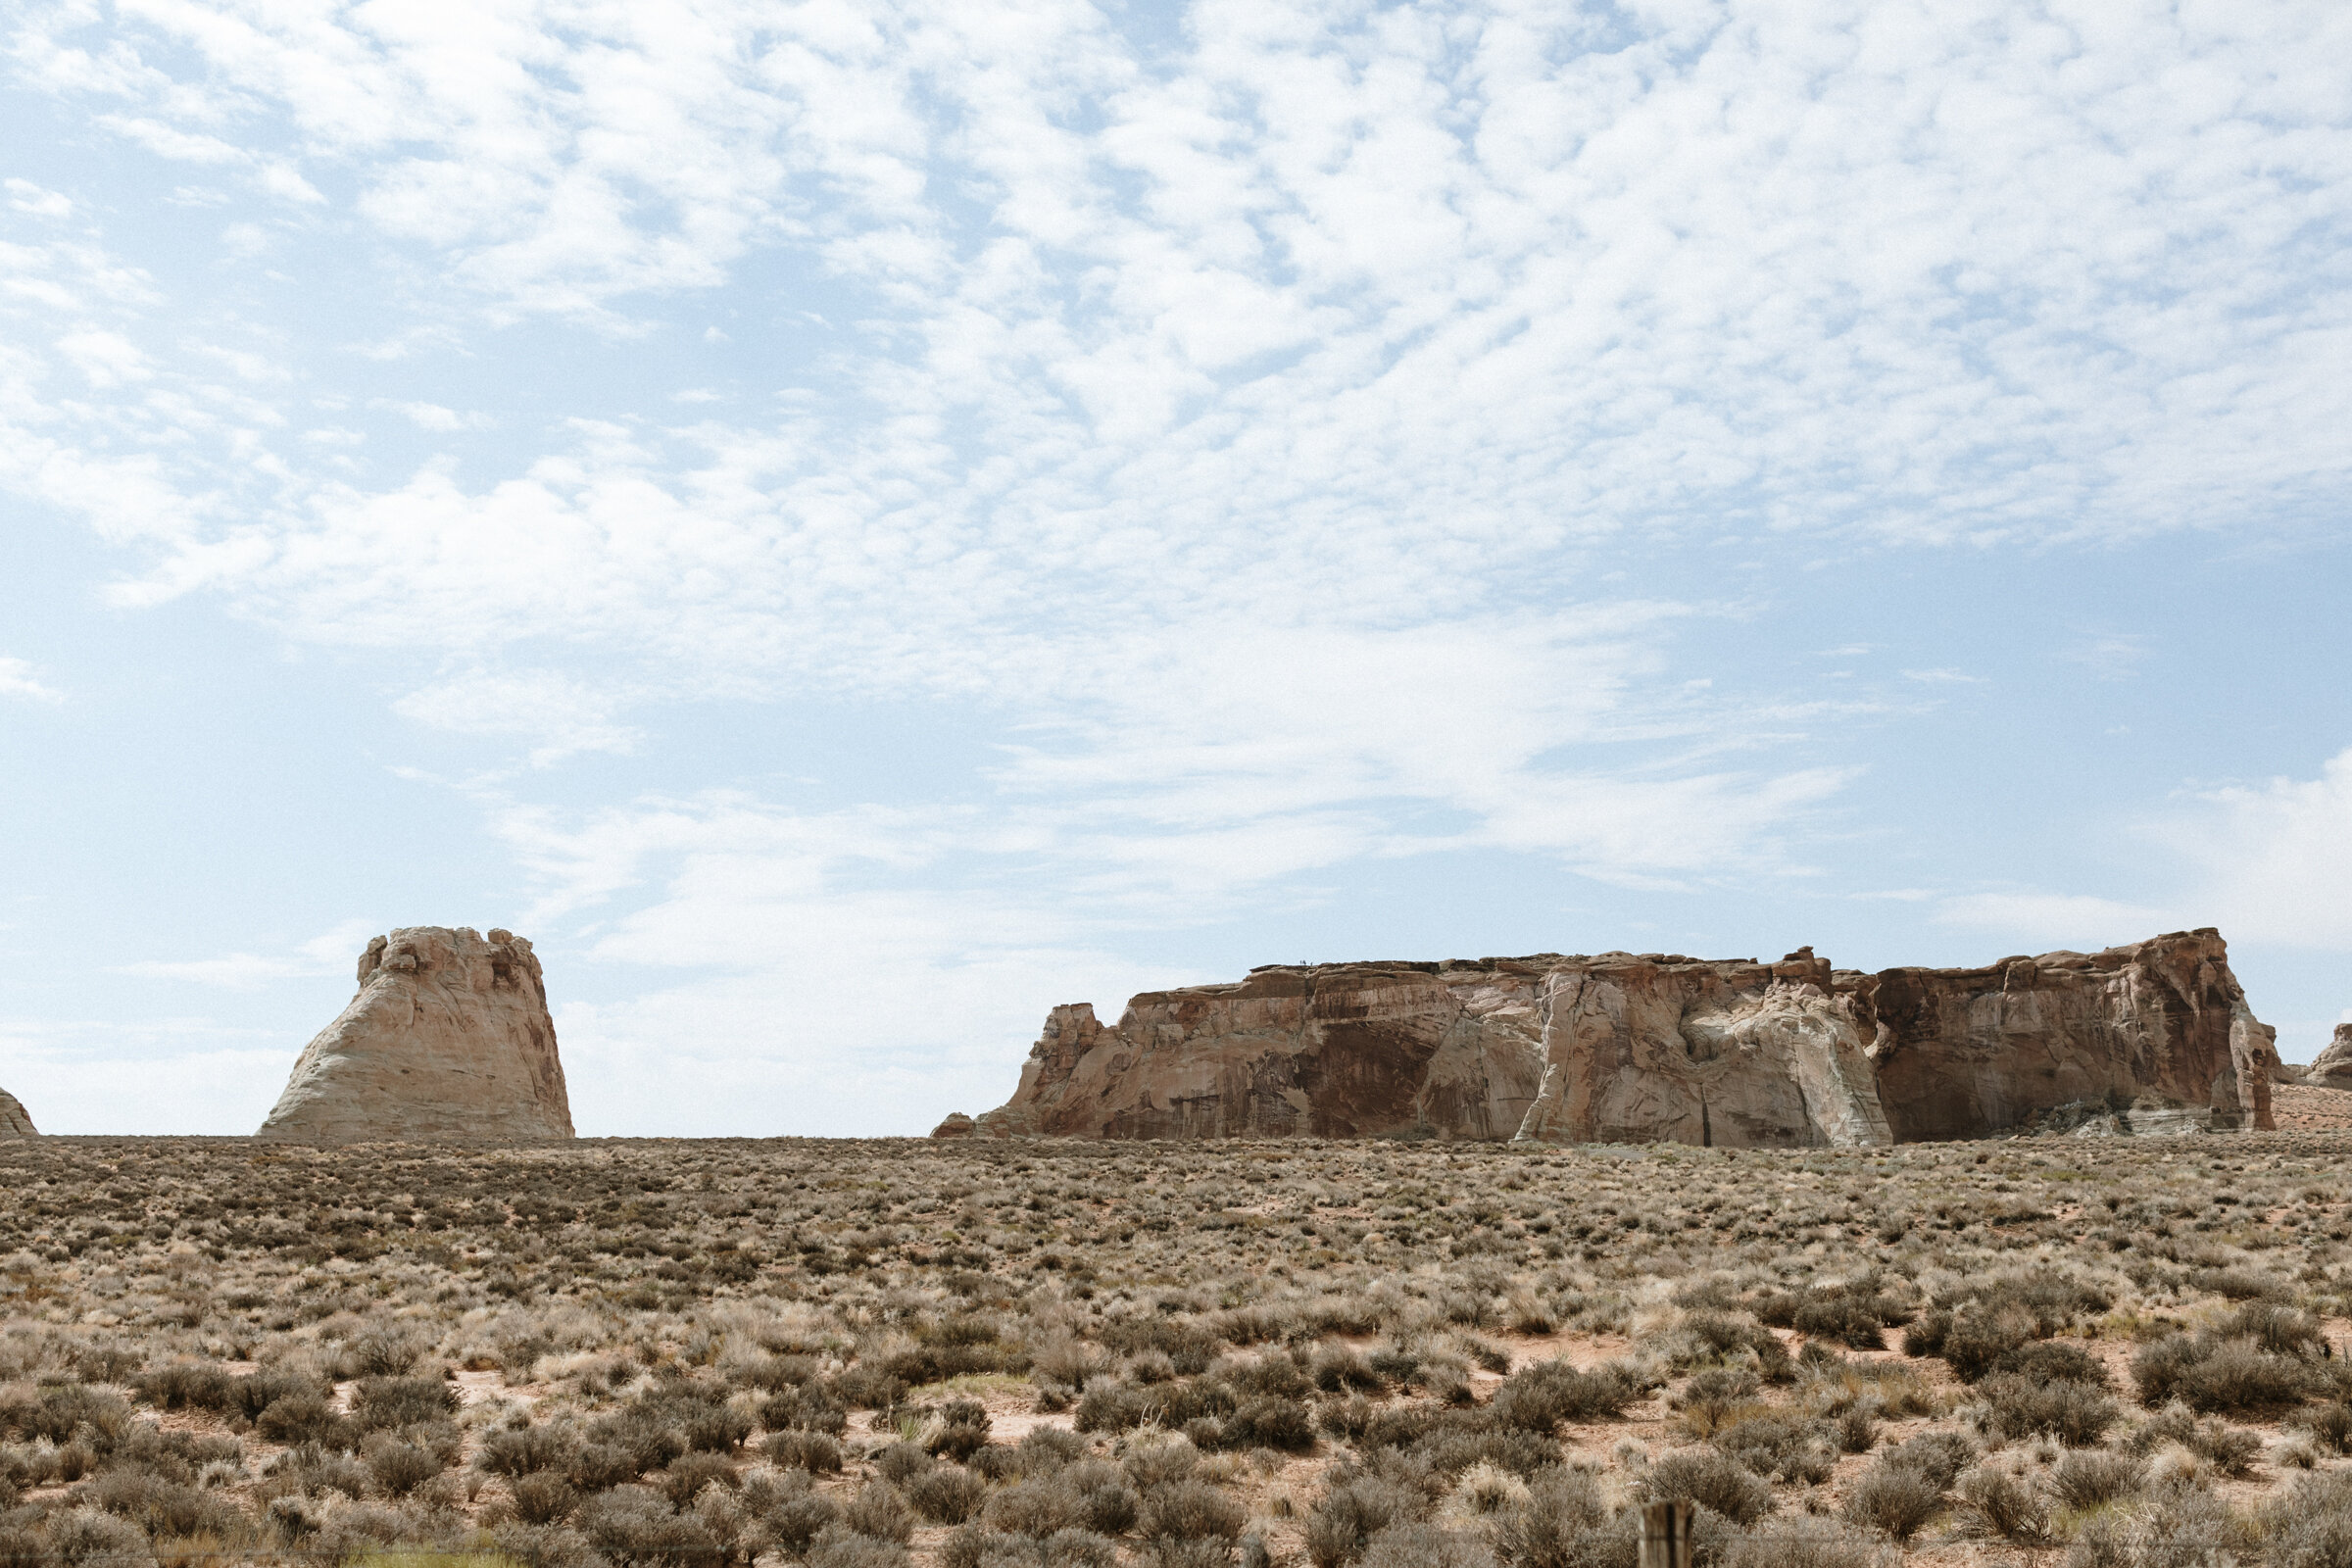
1623	1048
1617	1047
2156	1029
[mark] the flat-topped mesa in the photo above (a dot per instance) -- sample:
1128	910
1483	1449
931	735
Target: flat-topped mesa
1618	1048
449	1040
1640	1048
15	1122
2331	1068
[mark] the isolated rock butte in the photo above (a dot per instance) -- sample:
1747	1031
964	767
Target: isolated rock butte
13	1121
1626	1048
2331	1068
448	1040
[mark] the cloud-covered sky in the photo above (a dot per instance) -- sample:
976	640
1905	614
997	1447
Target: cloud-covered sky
851	524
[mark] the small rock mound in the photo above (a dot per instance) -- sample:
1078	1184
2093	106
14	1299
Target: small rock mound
449	1040
958	1125
2333	1067
14	1122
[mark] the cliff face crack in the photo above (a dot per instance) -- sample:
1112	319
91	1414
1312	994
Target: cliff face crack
1660	1047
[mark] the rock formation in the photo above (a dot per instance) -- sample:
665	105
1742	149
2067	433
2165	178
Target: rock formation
2156	1028
449	1039
1618	1048
1624	1047
14	1122
2331	1068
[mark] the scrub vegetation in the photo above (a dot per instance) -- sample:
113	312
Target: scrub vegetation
1021	1354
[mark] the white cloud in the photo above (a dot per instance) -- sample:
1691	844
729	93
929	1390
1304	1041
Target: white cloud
16	679
561	716
756	920
2082	922
171	1077
1687	280
2267	863
2110	655
107	359
433	416
341	946
235	971
246	971
27	197
2276	858
1195	788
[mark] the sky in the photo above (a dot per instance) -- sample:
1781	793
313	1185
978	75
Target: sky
850	524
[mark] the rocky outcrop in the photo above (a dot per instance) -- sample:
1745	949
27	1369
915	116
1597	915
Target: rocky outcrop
14	1122
2331	1068
956	1125
1626	1048
2154	1028
1618	1048
448	1040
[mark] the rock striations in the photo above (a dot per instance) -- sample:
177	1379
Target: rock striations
449	1039
2158	1031
1624	1048
14	1122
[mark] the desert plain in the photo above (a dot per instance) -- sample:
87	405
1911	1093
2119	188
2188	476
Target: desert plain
1378	1352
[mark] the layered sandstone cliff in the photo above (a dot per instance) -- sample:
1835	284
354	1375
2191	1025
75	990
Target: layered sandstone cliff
1626	1048
2159	1031
449	1039
1617	1047
14	1122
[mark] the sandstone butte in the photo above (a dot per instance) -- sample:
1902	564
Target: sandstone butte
1624	1048
2331	1068
449	1040
13	1121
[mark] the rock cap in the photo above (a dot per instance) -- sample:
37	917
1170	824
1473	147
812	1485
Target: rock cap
2331	1068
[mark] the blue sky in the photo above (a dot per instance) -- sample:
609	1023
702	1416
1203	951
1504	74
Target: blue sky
851	524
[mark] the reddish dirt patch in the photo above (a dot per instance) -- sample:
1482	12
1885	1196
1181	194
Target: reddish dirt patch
2308	1108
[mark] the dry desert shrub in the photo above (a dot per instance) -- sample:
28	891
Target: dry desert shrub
1713	1480
1896	1498
612	1353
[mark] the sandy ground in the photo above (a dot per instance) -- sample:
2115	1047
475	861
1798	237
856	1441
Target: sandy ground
2304	1108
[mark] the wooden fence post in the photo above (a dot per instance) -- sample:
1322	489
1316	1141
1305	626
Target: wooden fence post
1666	1535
